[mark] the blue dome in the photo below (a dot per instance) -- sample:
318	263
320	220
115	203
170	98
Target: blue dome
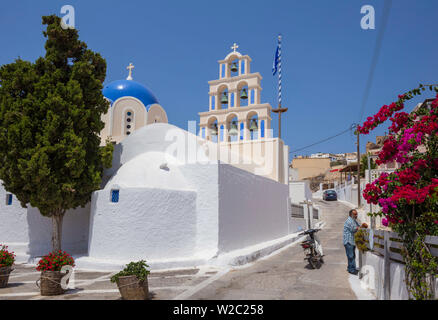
124	88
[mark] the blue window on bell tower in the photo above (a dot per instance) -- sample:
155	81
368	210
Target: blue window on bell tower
232	99
114	195
222	133
203	133
242	67
252	96
213	101
241	131
262	128
222	70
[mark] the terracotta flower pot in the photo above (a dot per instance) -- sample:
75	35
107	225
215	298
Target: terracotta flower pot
50	283
4	276
133	289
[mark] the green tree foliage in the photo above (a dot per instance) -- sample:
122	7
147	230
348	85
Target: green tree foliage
50	120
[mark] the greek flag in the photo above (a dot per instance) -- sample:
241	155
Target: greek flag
276	60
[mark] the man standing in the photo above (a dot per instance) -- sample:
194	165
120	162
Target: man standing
350	228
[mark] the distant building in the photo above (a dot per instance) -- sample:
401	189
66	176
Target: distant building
351	157
310	167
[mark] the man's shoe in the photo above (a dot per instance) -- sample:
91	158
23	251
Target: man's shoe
354	272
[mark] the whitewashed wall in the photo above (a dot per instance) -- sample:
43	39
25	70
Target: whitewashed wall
204	179
146	224
299	191
252	209
28	233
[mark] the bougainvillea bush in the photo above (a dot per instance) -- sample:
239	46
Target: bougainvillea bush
54	261
7	258
408	197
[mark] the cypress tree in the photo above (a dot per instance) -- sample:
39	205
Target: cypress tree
50	120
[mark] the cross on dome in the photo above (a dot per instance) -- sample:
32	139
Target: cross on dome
130	67
234	47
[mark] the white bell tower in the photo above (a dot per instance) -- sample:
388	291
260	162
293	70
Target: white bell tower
236	117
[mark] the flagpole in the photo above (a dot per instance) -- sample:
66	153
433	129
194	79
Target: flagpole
279	110
279	70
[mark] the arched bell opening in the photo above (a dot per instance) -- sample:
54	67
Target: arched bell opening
253	125
233	128
213	129
242	92
224	97
234	67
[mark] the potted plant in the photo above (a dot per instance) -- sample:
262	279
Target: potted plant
50	266
359	238
7	260
132	281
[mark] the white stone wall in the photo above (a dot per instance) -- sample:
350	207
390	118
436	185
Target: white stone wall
28	233
299	191
252	209
146	223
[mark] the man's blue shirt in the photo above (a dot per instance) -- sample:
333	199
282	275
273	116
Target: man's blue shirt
350	228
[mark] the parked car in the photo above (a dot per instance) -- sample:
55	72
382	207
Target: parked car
329	195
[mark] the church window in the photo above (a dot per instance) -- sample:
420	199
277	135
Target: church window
222	133
232	99
252	96
8	199
242	67
129	118
203	133
222	70
114	195
241	131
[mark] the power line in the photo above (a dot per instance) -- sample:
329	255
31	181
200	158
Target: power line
386	9
326	139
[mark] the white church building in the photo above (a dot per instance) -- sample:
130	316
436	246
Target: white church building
173	197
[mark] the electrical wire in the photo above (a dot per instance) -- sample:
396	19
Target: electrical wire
386	10
353	126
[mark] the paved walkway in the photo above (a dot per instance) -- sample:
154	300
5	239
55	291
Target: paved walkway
286	274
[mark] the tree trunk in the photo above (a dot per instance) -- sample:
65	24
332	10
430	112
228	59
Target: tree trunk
57	219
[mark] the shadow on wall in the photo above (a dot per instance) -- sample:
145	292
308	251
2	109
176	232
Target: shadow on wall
75	231
115	165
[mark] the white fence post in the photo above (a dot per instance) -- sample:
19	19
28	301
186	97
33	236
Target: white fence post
386	268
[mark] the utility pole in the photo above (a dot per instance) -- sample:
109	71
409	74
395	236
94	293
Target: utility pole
358	168
279	110
373	219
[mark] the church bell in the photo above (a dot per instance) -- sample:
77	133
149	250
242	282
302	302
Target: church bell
233	130
244	94
253	126
224	99
213	129
234	67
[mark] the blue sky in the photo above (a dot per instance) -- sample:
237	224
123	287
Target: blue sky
175	46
